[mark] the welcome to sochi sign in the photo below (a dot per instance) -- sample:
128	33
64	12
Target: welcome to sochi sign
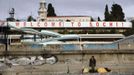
72	24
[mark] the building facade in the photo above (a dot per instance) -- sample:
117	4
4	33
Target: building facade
69	19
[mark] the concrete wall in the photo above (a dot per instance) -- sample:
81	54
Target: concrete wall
127	44
116	62
73	64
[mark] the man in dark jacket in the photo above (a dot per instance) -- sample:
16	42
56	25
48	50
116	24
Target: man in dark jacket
92	63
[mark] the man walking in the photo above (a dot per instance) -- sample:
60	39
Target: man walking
92	63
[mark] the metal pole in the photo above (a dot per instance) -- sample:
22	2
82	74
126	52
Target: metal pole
6	38
6	43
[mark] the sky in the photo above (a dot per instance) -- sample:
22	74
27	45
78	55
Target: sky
94	8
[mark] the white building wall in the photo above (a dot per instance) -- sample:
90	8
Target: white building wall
69	18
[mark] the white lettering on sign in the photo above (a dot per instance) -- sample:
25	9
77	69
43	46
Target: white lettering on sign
72	24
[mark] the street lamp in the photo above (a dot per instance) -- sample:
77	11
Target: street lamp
6	30
6	39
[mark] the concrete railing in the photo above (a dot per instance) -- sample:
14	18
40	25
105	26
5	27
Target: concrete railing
66	47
